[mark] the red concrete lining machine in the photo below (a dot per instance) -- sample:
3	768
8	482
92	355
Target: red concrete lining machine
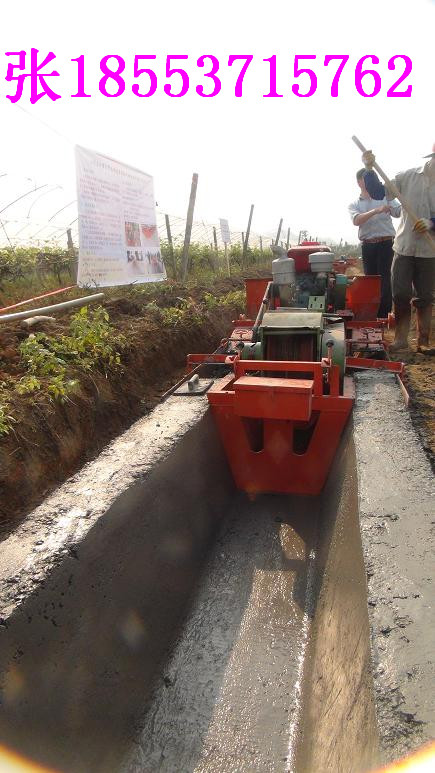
283	407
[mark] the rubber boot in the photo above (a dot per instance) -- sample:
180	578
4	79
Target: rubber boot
424	319
402	315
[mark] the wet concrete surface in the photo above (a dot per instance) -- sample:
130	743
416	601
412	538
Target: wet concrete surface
122	650
338	729
126	646
230	694
272	668
95	585
397	506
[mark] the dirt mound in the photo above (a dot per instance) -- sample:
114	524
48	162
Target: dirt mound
419	379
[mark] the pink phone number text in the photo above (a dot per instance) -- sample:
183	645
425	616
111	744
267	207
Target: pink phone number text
33	74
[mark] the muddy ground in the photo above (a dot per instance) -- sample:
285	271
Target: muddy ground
419	380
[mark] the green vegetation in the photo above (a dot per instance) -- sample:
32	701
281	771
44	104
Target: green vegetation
29	270
205	261
188	310
51	362
6	420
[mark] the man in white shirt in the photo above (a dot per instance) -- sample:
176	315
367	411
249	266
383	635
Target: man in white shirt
413	269
376	233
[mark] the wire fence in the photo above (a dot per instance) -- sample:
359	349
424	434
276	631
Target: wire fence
20	227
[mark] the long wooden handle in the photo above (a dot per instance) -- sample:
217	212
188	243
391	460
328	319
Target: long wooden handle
394	189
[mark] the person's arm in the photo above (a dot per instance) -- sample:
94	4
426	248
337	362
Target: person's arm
375	188
362	217
395	208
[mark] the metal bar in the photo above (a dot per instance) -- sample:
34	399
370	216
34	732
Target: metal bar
185	378
207	359
37	297
316	368
52	309
362	323
364	363
23	197
264	303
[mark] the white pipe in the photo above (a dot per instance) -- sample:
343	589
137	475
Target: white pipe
50	309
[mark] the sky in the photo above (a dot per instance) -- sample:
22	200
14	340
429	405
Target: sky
291	157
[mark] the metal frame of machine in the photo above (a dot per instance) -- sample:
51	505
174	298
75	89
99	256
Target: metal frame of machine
283	407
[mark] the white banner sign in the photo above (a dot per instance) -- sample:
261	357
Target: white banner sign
225	231
118	237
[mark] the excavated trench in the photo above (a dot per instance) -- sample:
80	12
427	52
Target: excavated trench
155	619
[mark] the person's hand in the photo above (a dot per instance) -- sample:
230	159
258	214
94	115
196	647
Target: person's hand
368	159
422	225
384	208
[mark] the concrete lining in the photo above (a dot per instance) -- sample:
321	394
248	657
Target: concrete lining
230	696
338	728
88	615
122	648
396	502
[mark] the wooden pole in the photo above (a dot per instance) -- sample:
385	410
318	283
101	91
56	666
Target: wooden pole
299	237
189	221
171	246
288	238
395	191
227	260
246	240
279	232
216	246
73	255
261	244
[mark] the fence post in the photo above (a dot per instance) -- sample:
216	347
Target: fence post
246	240
216	246
171	246
189	221
73	257
279	232
227	260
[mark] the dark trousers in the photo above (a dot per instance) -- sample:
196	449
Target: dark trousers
377	259
413	278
